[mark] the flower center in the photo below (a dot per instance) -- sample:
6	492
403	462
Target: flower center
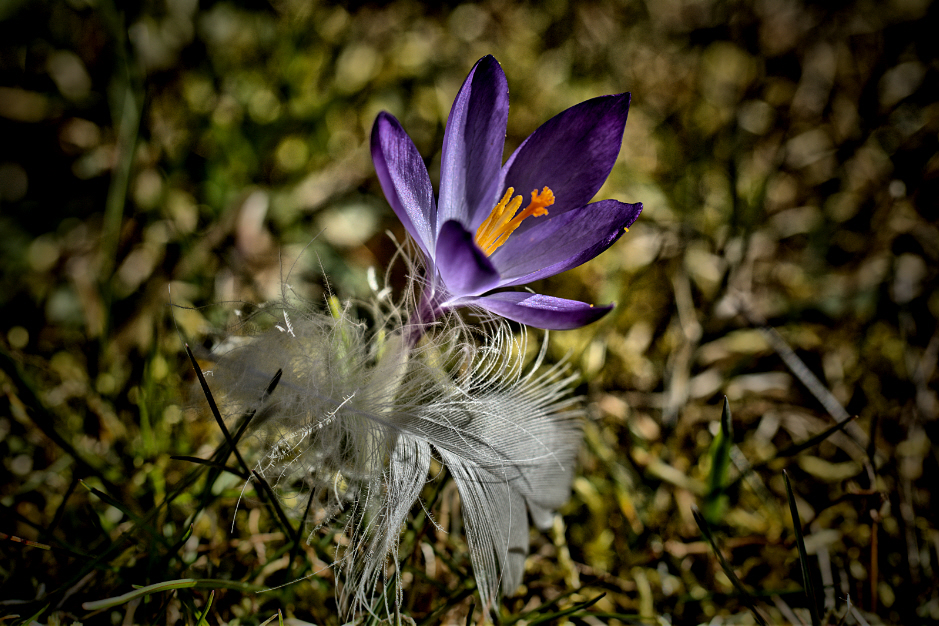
502	221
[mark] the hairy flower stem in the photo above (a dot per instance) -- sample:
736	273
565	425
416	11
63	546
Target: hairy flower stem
426	313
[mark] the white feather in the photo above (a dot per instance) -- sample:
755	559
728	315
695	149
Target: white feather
358	416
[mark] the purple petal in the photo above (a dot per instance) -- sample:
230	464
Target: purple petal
557	243
472	146
404	180
572	153
540	311
464	268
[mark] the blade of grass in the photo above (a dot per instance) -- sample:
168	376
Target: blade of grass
210	463
60	510
187	606
715	501
452	601
554	617
215	412
803	556
874	575
795	449
32	619
159	617
554	601
272	500
181	541
792	450
169	585
136	519
629	618
160	564
274	503
94	547
279	617
736	582
295	549
271	386
205	611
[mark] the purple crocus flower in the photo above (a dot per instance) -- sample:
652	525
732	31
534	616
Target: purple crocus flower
477	237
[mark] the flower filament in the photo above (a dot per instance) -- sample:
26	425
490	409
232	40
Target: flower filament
503	221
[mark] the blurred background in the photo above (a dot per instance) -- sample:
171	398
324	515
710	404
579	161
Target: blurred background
195	153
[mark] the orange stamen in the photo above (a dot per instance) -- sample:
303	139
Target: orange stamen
500	224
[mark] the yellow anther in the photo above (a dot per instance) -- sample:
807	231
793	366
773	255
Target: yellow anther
500	224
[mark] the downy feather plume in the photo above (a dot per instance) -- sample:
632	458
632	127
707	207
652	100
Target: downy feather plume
351	430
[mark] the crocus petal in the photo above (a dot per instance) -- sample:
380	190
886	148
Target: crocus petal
404	180
540	311
464	268
472	146
557	243
572	153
